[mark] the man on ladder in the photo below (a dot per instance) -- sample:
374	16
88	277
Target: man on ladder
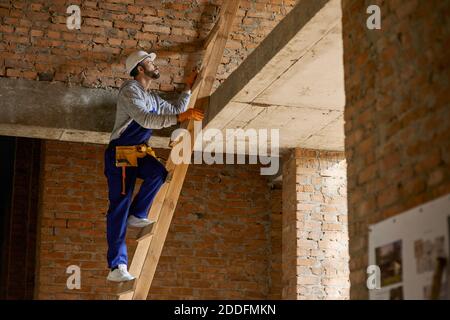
128	157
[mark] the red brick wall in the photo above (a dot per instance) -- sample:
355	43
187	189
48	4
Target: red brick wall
219	244
315	233
396	115
35	42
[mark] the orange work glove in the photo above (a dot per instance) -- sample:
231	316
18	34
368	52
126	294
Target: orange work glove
191	114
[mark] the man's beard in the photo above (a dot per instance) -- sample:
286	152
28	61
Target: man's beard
152	74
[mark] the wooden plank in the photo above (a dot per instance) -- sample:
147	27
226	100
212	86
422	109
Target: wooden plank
216	54
213	34
195	91
136	266
143	244
146	232
161	229
160	232
144	241
151	262
145	263
126	287
216	29
211	61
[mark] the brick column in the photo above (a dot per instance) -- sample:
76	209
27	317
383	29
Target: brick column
315	234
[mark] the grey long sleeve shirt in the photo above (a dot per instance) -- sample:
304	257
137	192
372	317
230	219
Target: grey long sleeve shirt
148	109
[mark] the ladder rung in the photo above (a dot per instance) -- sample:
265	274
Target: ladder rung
169	176
162	160
126	287
175	142
146	232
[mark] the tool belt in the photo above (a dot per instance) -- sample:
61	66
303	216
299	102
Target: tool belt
126	156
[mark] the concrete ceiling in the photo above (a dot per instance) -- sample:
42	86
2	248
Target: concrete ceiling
293	81
298	90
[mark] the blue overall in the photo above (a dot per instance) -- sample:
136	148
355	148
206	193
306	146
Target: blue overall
121	207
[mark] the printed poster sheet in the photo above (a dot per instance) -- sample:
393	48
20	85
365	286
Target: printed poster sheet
406	248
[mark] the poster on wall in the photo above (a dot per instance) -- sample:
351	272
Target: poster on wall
412	253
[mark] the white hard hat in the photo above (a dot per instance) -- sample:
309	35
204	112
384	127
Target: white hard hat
136	57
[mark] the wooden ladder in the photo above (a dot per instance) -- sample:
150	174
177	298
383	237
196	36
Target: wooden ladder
151	239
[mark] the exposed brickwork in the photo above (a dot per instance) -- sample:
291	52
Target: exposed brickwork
36	43
219	244
396	116
315	234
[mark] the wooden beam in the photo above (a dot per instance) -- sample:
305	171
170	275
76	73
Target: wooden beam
212	59
217	49
149	248
161	229
126	287
213	34
146	232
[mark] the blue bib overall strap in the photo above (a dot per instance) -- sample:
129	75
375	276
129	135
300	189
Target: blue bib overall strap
134	134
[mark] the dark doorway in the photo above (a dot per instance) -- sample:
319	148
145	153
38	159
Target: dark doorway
19	193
